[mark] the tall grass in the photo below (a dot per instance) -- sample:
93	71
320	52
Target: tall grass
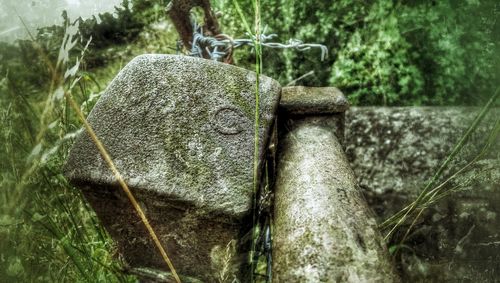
255	35
433	190
102	150
48	232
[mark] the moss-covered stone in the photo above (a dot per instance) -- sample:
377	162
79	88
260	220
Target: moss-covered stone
323	229
395	151
180	130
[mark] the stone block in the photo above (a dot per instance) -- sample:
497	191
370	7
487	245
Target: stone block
323	228
181	132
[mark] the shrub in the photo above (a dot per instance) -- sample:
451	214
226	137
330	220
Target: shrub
407	52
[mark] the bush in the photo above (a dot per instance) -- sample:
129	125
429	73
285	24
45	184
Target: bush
455	48
120	28
385	52
374	66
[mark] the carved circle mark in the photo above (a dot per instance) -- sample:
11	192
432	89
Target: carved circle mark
228	120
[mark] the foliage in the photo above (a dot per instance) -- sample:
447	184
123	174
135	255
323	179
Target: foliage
37	129
386	52
149	11
375	66
121	27
48	232
456	47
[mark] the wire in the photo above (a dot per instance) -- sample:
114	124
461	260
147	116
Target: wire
221	46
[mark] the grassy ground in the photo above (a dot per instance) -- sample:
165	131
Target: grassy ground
48	232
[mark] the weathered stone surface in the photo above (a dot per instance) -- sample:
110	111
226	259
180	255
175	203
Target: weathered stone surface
397	148
321	106
180	131
313	100
323	230
394	153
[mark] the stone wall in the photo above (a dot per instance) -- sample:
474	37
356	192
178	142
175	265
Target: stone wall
395	152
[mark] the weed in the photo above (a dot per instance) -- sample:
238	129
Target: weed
37	202
432	191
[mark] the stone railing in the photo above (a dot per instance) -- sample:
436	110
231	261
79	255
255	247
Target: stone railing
181	132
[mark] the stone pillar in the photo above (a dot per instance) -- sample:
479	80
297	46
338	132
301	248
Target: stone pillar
180	131
323	229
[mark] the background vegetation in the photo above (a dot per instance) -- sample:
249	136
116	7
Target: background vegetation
382	52
388	52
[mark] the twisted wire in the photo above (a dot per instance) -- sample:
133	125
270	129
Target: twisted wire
220	46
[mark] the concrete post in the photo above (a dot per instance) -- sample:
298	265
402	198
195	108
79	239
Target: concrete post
180	130
323	229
